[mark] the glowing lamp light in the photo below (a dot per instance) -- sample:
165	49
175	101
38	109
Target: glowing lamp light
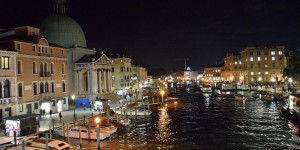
162	92
290	80
73	97
97	120
175	103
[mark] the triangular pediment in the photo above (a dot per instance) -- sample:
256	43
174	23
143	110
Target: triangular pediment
103	59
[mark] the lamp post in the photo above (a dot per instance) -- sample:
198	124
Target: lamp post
162	95
73	98
97	121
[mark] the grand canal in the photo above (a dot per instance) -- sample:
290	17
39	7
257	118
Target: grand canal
197	122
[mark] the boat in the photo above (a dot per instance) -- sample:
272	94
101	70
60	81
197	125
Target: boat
134	111
124	122
240	97
256	95
206	89
292	115
267	97
40	143
285	95
74	132
171	99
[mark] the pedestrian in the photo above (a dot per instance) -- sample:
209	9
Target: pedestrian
50	113
60	117
41	112
44	112
38	123
4	130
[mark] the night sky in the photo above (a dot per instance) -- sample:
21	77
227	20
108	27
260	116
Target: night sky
155	32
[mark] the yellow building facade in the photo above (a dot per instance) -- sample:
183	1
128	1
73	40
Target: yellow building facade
255	64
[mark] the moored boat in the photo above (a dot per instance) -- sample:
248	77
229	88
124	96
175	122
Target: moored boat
240	97
74	133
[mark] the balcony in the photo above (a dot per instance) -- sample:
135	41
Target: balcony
9	100
45	74
46	95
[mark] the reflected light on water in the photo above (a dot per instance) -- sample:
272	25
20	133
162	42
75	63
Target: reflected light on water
164	120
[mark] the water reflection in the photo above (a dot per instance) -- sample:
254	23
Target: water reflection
164	134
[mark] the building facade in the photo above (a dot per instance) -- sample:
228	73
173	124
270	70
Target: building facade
64	31
122	72
8	83
40	69
212	74
263	64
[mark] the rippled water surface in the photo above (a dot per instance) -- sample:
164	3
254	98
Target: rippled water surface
210	123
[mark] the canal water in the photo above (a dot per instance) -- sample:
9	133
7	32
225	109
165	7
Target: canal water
198	122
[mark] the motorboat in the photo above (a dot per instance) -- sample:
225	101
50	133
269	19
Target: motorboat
74	132
206	89
40	143
171	99
134	111
240	97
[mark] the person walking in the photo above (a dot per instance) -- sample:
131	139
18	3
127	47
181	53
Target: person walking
44	112
60	115
50	113
4	130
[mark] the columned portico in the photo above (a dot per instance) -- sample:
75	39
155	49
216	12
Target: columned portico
95	75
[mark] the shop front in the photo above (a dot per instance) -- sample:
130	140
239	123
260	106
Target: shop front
21	124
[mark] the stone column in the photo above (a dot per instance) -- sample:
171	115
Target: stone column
89	74
76	80
80	84
99	81
105	80
110	80
94	82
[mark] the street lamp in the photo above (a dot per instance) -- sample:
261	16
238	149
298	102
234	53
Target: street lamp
97	121
73	98
162	95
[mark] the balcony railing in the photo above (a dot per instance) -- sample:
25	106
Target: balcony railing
8	100
45	74
46	95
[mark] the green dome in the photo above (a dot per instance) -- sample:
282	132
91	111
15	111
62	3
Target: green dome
62	30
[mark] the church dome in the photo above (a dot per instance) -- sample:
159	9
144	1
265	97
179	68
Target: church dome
62	30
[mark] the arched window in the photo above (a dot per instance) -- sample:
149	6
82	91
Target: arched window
20	90
52	87
41	87
63	68
19	71
34	67
41	69
46	87
45	67
6	87
52	68
63	86
35	89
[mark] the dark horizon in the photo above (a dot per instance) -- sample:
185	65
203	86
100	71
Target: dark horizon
158	32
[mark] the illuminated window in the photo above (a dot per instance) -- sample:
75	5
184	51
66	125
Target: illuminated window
5	62
251	58
266	66
266	72
258	58
252	73
235	62
240	62
280	52
266	58
258	73
272	52
273	58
